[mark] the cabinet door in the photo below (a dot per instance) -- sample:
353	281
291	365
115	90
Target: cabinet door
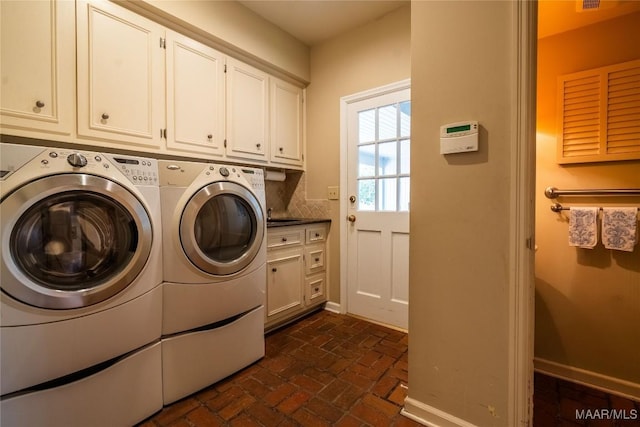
285	274
247	121
286	123
120	75
195	97
37	62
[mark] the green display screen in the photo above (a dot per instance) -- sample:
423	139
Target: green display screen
458	128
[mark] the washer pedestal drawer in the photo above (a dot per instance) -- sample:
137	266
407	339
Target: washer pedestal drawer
123	394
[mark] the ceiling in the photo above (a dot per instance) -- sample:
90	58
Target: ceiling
559	16
314	21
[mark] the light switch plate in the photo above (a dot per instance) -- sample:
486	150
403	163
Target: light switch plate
333	192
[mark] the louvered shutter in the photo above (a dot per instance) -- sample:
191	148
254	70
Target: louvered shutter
600	114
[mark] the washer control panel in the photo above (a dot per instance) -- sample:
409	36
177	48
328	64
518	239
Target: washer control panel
139	170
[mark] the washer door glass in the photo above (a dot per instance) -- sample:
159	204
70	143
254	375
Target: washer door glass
74	241
222	228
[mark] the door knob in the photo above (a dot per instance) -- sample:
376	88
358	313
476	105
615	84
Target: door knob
351	218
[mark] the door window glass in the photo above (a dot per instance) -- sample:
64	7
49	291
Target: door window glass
384	157
73	241
225	228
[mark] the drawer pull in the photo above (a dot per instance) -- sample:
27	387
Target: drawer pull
284	239
39	104
105	116
274	269
317	259
317	234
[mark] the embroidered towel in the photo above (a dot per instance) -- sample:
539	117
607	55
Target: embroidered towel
583	227
619	228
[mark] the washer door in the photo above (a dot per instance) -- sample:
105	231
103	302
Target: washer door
222	228
72	240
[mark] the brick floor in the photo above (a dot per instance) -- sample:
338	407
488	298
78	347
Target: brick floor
559	403
325	370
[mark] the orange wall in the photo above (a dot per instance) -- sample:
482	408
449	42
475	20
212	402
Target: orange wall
587	301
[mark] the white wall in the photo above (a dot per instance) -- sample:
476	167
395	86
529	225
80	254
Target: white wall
236	27
373	55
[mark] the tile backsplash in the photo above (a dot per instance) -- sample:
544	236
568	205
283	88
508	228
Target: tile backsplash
289	198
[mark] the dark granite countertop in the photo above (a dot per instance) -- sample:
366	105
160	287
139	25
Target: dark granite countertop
284	222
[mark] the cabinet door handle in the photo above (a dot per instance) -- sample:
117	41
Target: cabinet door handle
317	259
317	234
105	116
274	269
281	149
258	145
210	136
39	104
284	239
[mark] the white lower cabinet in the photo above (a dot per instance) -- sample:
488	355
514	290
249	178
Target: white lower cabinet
296	271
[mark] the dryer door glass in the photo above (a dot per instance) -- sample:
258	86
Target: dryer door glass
74	241
225	227
222	228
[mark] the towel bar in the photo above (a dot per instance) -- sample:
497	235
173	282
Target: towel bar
552	192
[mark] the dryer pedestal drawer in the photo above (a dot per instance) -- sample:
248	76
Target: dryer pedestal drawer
194	360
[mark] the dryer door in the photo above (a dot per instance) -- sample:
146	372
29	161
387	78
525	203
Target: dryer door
222	228
72	240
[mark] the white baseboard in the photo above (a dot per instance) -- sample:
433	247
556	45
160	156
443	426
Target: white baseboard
430	416
333	307
608	384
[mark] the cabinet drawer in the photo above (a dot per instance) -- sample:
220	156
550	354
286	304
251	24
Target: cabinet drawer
315	287
314	259
289	237
316	234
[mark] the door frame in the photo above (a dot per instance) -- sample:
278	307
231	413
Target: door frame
345	101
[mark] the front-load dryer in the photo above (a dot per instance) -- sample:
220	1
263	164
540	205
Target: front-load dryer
214	253
80	272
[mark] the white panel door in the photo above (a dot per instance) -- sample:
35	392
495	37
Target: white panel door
120	75
378	137
38	82
286	123
195	97
247	111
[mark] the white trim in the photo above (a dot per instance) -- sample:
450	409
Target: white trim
430	416
522	263
344	103
606	383
333	307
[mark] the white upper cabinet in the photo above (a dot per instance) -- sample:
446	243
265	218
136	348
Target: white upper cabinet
195	97
286	123
38	76
120	75
247	112
96	73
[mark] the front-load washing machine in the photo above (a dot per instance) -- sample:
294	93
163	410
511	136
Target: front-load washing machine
81	301
214	253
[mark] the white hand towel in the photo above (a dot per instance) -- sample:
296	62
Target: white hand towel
619	228
583	227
